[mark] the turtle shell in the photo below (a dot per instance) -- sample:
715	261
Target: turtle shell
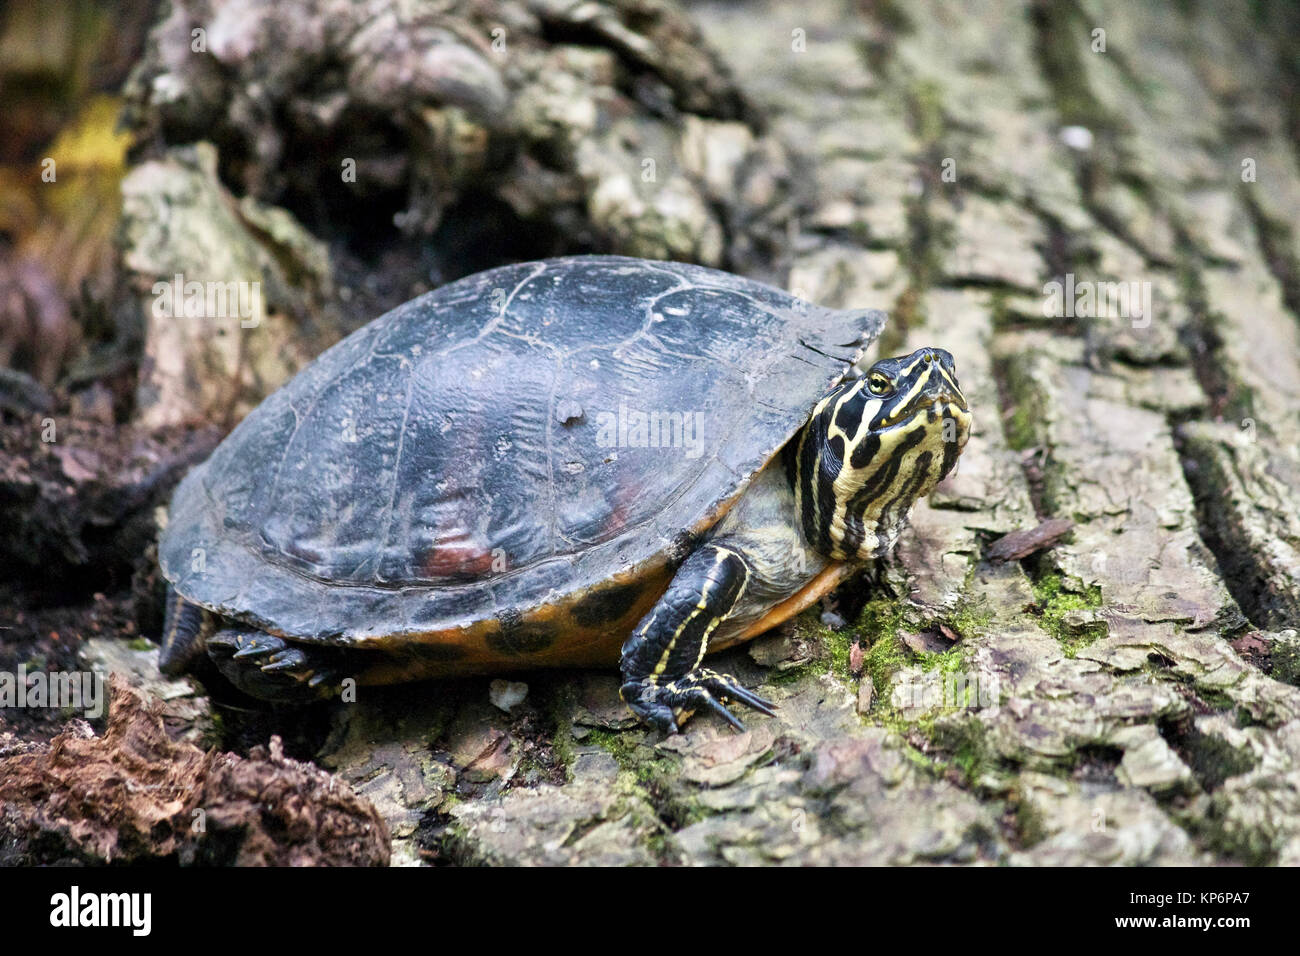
522	456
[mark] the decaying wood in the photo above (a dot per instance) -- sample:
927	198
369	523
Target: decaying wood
135	796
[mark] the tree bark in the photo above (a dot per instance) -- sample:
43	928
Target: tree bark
1090	203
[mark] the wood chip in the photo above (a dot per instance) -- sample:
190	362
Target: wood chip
855	659
866	690
1021	544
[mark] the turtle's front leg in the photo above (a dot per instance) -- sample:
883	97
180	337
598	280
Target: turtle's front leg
663	682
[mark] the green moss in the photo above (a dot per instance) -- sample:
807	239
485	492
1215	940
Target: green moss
1054	603
139	644
1252	843
561	713
879	622
958	691
928	237
998	309
647	774
1064	33
958	739
906	314
644	764
1029	824
1234	399
970	761
890	15
925	109
1221	700
1248	846
1022	428
614	743
837	646
970	618
880	45
967	741
920	759
1213	760
1284	662
946	662
833	649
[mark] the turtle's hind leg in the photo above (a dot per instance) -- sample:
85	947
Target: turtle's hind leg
271	668
185	628
663	682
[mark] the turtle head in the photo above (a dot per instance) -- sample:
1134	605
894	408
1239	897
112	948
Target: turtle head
873	447
915	389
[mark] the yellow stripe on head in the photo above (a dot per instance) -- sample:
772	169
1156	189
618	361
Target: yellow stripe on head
875	446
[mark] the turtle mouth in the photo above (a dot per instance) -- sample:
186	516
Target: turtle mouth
952	402
943	404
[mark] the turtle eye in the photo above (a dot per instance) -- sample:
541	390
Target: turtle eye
878	384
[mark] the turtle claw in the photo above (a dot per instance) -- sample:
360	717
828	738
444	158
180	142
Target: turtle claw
720	709
271	668
728	688
254	644
667	706
288	660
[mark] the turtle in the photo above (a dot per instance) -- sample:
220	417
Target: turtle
575	462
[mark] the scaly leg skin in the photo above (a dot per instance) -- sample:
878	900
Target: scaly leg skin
271	668
663	682
184	629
